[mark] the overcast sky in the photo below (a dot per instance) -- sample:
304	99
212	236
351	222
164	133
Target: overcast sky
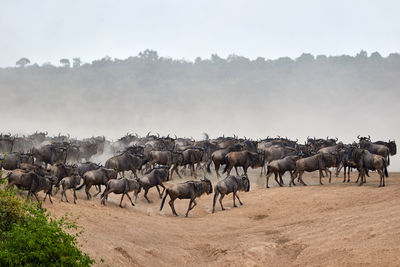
47	30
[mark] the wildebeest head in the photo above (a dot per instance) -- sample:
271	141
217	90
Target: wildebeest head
246	183
206	180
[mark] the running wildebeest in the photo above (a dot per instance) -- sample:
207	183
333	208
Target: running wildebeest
231	184
31	181
218	157
280	166
320	162
70	182
125	162
97	177
244	159
120	186
154	177
187	190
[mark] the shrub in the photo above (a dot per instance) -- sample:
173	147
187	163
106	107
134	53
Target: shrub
30	236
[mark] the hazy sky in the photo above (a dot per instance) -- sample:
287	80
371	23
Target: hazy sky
47	30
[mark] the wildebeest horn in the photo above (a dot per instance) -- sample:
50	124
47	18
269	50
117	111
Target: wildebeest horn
59	134
327	137
168	136
158	135
148	134
358	136
297	140
175	137
369	138
337	139
68	135
46	133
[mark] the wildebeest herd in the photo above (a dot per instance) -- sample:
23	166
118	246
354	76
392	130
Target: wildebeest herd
39	162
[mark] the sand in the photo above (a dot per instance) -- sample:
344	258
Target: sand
337	224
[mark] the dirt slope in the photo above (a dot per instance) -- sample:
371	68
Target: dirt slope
331	225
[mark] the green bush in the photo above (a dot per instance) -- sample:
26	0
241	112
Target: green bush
30	236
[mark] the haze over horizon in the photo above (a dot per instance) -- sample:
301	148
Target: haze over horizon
47	31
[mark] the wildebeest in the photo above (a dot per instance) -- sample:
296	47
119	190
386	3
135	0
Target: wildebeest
86	166
177	160
320	161
50	154
154	177
31	181
280	166
230	184
70	182
391	145
125	162
13	161
97	177
121	186
275	152
244	159
382	150
218	157
187	190
365	160
192	156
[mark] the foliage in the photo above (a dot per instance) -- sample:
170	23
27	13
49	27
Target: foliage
30	236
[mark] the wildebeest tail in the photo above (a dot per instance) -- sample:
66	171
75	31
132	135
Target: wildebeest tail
84	182
386	171
208	167
268	170
215	197
163	201
388	160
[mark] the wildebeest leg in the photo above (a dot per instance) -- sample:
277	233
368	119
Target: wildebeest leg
348	174
130	199
267	179
237	171
214	199
63	192
320	177
120	203
292	178
276	178
190	206
301	178
103	200
161	194
330	175
98	191
280	179
136	195
234	197
51	201
87	188
36	196
145	194
263	170
135	174
217	165
75	198
171	204
228	171
237	196
220	201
